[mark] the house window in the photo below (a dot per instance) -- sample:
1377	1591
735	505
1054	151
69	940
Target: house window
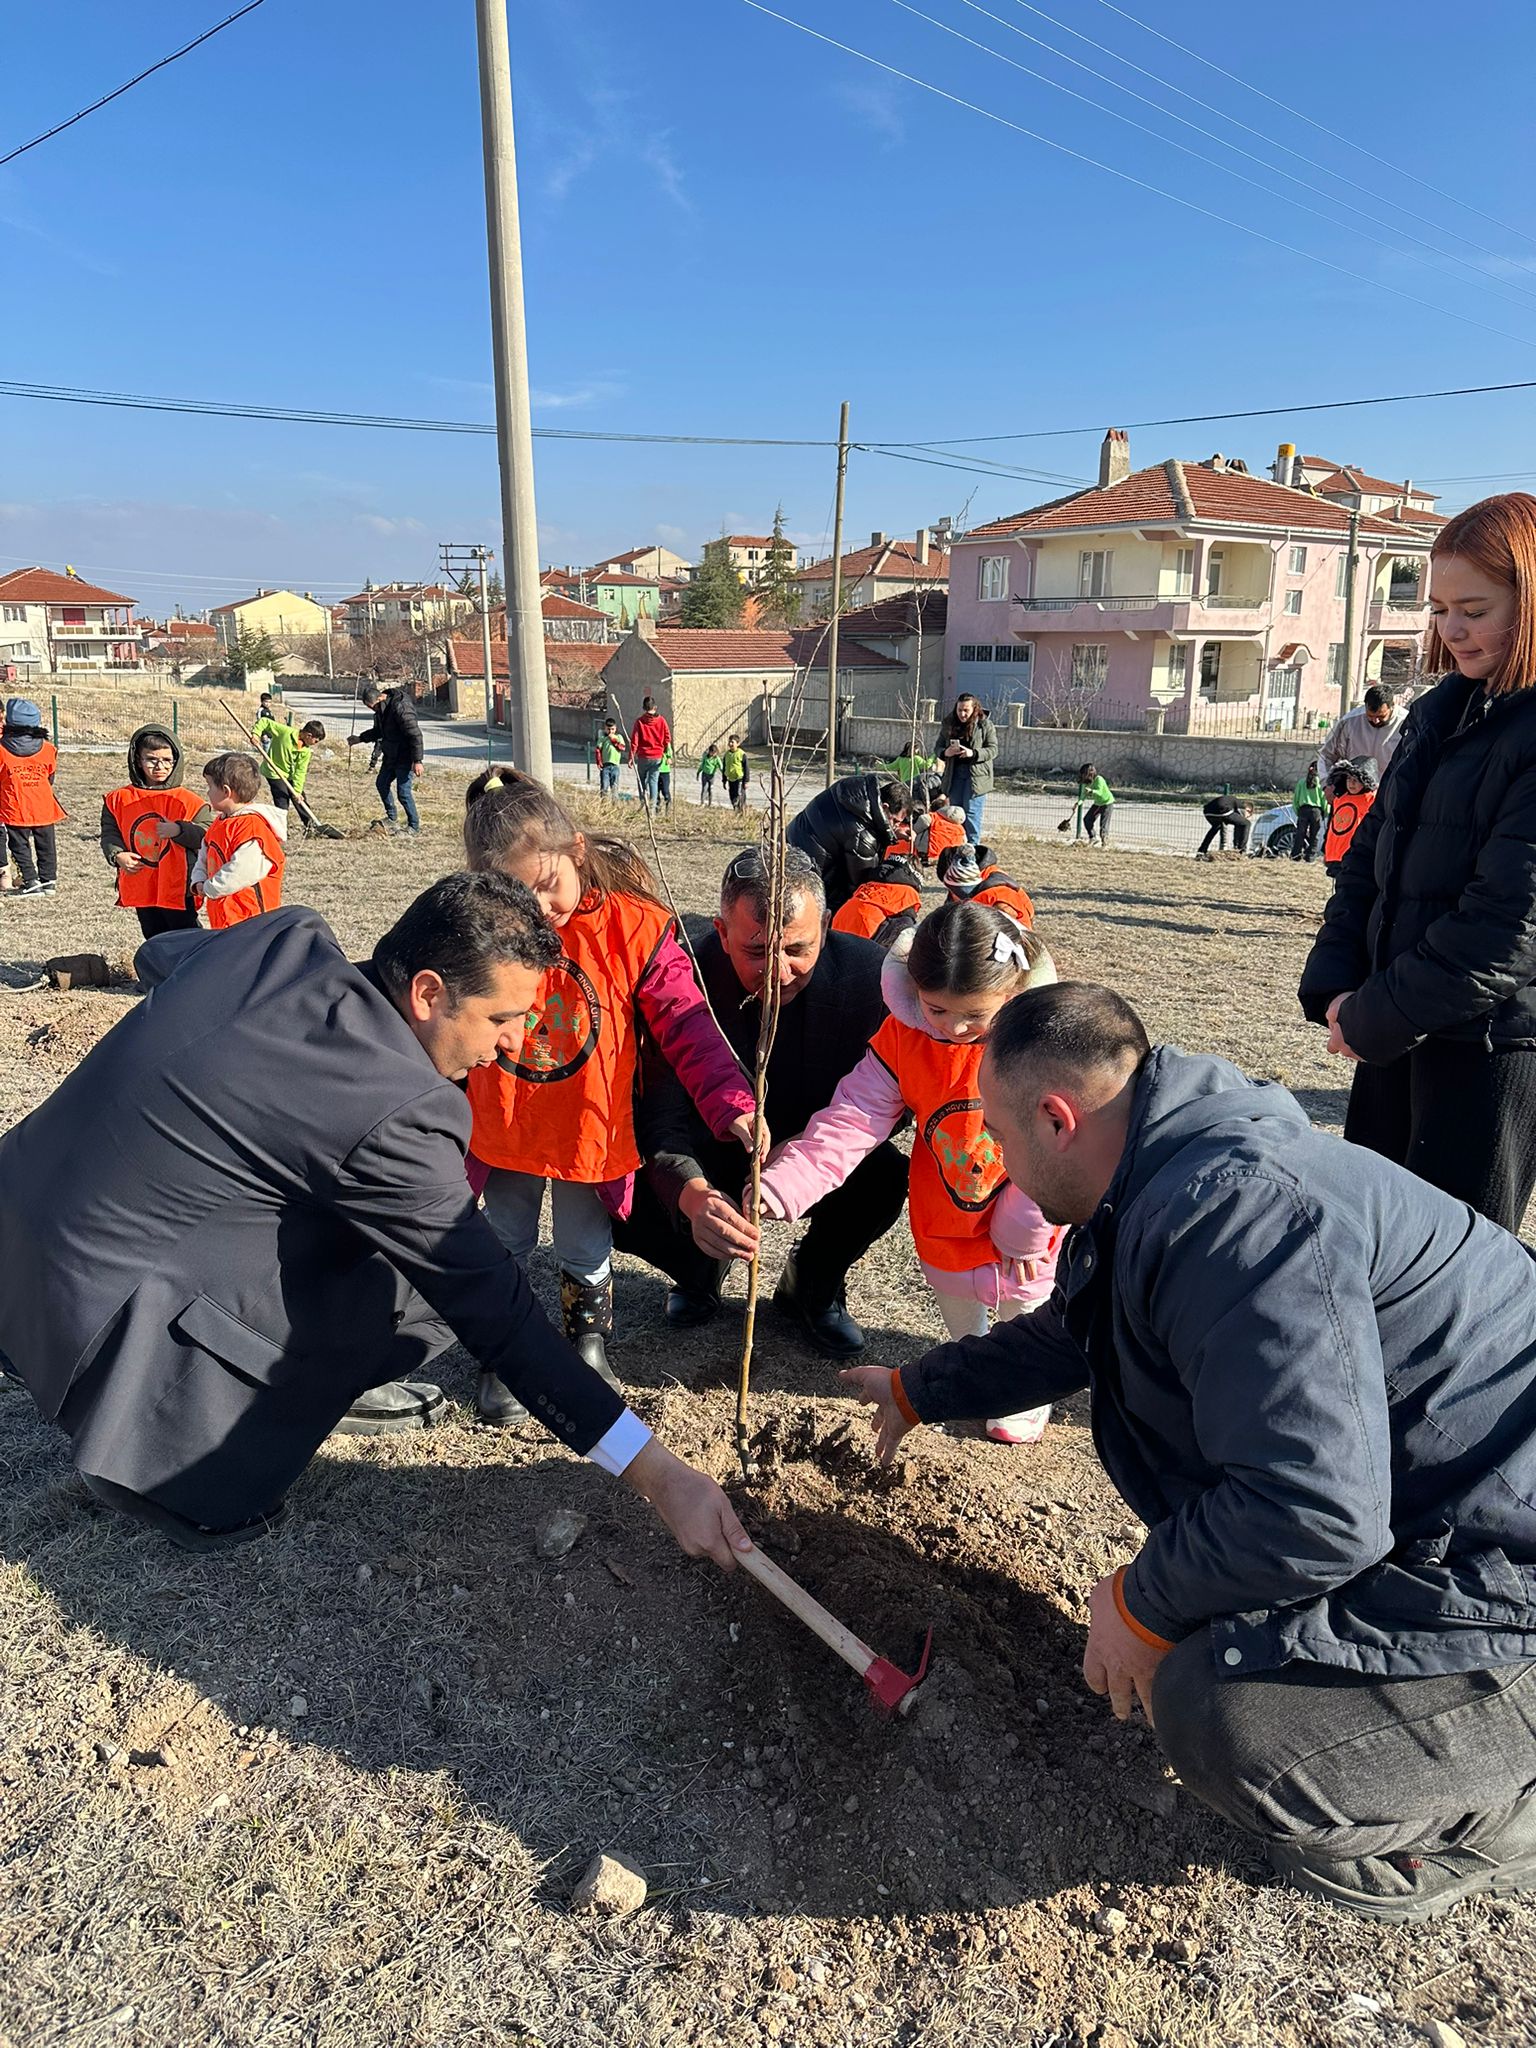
1210	667
1178	665
1215	562
1403	587
1293	602
969	653
1090	666
1340	571
13	614
1093	572
1183	572
993	578
1298	561
1335	663
1012	652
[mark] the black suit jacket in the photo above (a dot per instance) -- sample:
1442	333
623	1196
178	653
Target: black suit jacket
822	1036
246	1205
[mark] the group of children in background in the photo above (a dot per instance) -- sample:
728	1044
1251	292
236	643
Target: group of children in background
727	762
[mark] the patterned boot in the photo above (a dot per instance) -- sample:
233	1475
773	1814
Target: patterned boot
587	1308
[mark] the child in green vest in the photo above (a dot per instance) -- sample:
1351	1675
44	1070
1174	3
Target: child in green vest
611	748
737	773
1101	801
1311	807
285	760
664	777
709	768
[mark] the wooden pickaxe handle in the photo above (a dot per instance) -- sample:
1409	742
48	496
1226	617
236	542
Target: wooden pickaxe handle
832	1632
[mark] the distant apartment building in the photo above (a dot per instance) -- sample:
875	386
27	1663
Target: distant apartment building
655	563
282	614
415	607
1348	485
59	623
566	620
1166	592
884	569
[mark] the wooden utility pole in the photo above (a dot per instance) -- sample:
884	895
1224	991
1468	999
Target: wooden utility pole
1351	564
527	677
837	593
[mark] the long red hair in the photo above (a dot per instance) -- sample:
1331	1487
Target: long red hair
1499	536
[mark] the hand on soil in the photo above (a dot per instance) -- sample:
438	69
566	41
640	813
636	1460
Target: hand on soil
690	1503
872	1384
1115	1660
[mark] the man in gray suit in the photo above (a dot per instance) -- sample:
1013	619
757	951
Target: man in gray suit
247	1206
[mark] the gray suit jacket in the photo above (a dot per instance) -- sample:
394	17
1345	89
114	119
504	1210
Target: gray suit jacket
245	1206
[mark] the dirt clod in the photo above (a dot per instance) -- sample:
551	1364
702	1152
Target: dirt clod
1109	1920
557	1533
609	1886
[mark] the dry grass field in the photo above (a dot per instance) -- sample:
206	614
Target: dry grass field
336	1787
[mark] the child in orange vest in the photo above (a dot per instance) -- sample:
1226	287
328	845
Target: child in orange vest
29	810
1353	786
239	867
971	875
564	1111
935	832
885	906
983	1245
148	828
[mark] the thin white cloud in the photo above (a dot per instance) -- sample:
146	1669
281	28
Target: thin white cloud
579	395
377	523
876	103
669	174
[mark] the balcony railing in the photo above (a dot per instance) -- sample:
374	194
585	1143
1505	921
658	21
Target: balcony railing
1103	603
1231	600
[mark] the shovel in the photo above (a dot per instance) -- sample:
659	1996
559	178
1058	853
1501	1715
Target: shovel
308	816
891	1690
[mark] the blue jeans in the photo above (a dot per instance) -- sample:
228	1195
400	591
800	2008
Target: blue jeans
974	806
397	777
607	778
583	1228
648	774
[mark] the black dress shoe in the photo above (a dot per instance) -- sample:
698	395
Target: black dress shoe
688	1308
390	1410
830	1328
494	1404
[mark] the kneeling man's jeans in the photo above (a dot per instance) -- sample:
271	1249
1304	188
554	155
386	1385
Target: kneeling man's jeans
1344	1765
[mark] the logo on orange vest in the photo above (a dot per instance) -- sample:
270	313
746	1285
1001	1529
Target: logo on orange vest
969	1158
562	1031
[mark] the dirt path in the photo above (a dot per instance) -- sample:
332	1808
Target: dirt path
336	1789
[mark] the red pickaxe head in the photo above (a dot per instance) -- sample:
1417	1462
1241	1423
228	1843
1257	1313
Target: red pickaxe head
891	1689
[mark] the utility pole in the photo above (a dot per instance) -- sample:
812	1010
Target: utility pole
457	557
527	679
837	593
1351	561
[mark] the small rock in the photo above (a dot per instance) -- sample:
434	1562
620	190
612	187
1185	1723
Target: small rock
1109	1920
1440	2035
851	1803
1042	1706
124	2016
1153	1795
364	1574
608	1886
298	1706
784	1820
557	1533
1180	1950
817	1972
783	1978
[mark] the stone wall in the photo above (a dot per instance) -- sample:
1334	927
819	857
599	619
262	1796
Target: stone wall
1130	757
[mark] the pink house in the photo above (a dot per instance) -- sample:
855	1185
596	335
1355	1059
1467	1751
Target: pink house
1174	594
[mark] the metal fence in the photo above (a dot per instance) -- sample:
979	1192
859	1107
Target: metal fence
1271	717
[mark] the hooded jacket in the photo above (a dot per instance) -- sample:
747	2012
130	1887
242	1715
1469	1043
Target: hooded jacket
846	832
28	759
964	779
1432	926
1312	1375
189	832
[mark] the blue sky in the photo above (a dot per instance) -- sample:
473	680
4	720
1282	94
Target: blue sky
728	228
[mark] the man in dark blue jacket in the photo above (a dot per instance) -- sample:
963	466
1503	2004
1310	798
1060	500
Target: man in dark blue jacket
1313	1377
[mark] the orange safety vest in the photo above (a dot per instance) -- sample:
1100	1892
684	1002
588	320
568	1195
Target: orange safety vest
26	787
957	1164
1344	821
1004	893
871	904
224	836
565	1108
899	849
942	834
161	884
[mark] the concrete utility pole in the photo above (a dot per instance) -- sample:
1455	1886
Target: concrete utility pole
837	593
1351	563
458	558
527	680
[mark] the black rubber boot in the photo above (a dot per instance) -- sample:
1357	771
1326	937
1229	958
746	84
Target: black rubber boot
587	1307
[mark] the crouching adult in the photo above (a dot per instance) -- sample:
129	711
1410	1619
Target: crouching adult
687	1217
849	829
204	1296
1313	1377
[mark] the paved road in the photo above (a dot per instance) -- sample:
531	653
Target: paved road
1149	828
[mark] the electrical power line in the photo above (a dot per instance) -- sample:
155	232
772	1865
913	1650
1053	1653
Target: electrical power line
107	98
1297	114
1501	287
1129	177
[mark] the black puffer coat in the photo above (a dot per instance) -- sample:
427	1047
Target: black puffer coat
846	832
1433	922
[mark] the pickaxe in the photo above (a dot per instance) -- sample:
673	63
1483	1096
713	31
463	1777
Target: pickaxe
891	1690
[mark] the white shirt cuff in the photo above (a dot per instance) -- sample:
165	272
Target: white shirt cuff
615	1451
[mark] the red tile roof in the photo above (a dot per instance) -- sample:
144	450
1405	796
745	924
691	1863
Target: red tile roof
1218	497
1411	515
1346	479
894	561
554	606
749	540
634	554
898	614
619	576
189	629
47	586
687	650
468	656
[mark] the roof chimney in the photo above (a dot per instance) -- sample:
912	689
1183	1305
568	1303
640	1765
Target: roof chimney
1285	463
645	627
922	547
877	539
1114	458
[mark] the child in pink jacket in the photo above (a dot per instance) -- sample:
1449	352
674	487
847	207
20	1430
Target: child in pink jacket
984	1246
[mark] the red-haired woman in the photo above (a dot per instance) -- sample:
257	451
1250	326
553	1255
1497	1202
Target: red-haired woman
1425	968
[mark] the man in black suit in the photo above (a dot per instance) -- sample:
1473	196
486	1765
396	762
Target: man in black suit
686	1217
197	1288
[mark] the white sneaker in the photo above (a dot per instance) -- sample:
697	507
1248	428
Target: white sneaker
1027	1427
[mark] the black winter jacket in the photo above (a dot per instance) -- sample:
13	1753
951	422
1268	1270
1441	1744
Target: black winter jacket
846	832
1312	1375
395	729
1433	922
